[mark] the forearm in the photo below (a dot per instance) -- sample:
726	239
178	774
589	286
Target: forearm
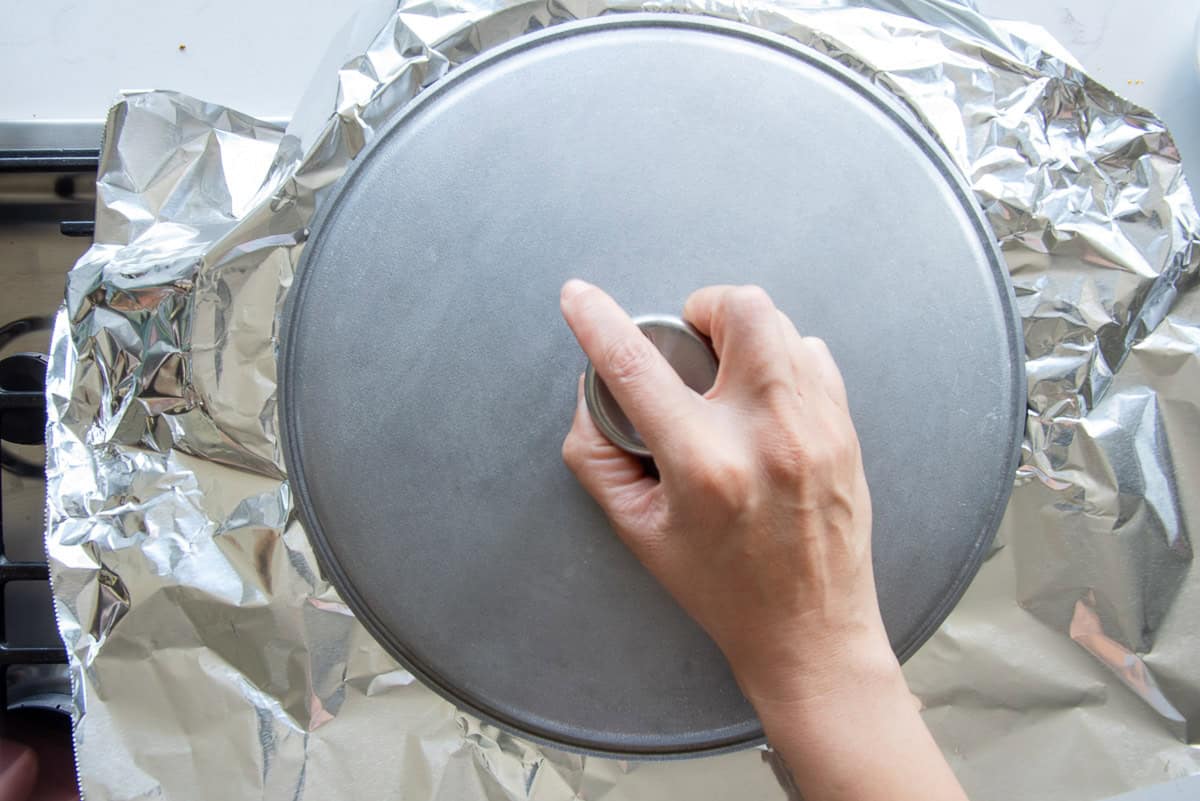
860	739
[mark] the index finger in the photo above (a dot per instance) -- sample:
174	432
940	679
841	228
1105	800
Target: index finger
644	384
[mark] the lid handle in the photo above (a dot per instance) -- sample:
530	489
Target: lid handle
685	348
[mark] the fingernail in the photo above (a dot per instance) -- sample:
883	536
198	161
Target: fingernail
573	288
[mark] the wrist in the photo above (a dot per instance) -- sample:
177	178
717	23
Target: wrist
819	734
800	672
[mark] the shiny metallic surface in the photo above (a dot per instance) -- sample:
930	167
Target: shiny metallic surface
685	349
472	484
210	657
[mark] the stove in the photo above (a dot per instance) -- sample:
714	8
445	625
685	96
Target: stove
47	198
46	205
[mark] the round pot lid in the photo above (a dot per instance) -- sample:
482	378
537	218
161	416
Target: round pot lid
427	379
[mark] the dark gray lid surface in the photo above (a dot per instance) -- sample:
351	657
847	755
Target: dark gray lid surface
427	378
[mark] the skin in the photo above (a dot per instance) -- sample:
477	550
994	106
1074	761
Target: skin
759	525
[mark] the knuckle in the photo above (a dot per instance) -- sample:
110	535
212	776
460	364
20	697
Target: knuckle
816	343
790	463
818	459
751	295
728	482
798	457
573	452
749	300
627	359
776	389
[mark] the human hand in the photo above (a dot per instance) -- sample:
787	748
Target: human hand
760	522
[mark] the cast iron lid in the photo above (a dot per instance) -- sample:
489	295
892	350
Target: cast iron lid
427	379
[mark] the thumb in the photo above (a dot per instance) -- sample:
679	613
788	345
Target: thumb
615	479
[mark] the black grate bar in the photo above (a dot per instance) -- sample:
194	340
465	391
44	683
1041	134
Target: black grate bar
77	227
22	420
50	160
12	655
22	571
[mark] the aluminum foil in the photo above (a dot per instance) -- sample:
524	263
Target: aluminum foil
211	659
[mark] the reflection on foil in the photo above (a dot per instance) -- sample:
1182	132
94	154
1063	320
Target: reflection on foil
1087	630
209	658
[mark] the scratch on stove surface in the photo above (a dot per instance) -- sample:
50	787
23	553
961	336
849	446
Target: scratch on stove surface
1086	36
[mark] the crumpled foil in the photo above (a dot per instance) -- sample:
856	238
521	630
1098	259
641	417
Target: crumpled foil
211	659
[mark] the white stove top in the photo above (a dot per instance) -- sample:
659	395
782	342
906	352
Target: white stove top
259	56
256	57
